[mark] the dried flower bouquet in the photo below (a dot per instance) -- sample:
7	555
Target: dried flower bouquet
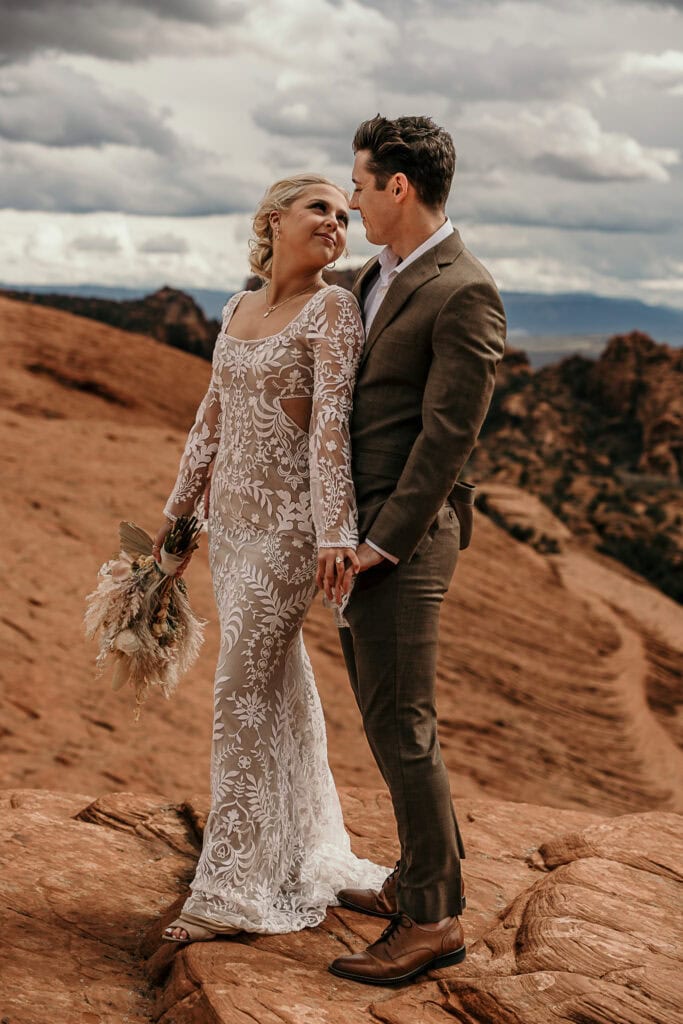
141	611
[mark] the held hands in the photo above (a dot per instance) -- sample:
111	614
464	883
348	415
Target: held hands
338	566
336	569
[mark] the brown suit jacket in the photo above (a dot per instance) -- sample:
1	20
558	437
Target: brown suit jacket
424	386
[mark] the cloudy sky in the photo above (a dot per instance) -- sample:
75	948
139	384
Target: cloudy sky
137	135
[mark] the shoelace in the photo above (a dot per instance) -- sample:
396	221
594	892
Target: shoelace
393	874
391	930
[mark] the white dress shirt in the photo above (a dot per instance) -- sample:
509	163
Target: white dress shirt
390	266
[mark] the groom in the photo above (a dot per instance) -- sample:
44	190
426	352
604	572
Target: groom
435	329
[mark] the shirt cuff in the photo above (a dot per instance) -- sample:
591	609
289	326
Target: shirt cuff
384	554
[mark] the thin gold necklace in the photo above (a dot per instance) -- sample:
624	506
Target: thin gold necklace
288	299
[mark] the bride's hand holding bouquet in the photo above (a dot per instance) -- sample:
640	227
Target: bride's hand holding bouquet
158	546
141	611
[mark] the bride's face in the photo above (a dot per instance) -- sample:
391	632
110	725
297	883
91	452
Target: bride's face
315	225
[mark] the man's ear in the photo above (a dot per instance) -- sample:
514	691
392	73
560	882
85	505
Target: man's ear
399	187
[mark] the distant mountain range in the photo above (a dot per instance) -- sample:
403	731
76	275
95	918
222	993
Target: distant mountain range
547	327
583	313
211	302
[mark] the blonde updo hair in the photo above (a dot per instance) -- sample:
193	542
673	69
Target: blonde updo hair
279	197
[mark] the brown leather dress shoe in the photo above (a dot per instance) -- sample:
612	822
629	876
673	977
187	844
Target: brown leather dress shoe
370	901
404	950
378	904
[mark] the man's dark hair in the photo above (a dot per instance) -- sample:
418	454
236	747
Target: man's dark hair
414	146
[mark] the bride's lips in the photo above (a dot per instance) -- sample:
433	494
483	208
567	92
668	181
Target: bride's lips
328	238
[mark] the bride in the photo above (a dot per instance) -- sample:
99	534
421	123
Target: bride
272	437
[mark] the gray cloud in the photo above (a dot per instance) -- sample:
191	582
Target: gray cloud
97	243
202	12
561	140
662	71
167	243
505	72
116	180
295	115
573	211
422	8
207	11
68	144
125	30
472	7
54	105
566	119
319	132
566	141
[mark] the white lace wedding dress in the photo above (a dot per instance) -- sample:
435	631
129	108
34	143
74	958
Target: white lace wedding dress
275	849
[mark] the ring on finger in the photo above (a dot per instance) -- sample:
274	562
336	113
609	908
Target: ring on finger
339	559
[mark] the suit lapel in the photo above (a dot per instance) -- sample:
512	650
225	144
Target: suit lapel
361	278
424	269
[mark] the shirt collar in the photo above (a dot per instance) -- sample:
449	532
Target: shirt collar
390	263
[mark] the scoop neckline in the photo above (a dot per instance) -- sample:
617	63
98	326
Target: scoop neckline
269	337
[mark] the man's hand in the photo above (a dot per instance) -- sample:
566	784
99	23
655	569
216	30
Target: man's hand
368	557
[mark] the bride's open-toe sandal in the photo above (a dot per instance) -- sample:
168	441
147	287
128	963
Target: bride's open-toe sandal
195	932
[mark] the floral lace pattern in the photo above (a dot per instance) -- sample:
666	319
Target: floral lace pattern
275	849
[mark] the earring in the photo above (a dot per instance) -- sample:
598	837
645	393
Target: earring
277	232
346	252
331	266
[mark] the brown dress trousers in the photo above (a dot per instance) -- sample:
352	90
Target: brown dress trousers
423	390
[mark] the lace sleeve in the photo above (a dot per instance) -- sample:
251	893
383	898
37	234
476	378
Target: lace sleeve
336	333
200	449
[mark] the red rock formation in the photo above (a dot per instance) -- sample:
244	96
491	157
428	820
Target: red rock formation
547	662
559	679
640	381
601	443
169	315
570	917
62	367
